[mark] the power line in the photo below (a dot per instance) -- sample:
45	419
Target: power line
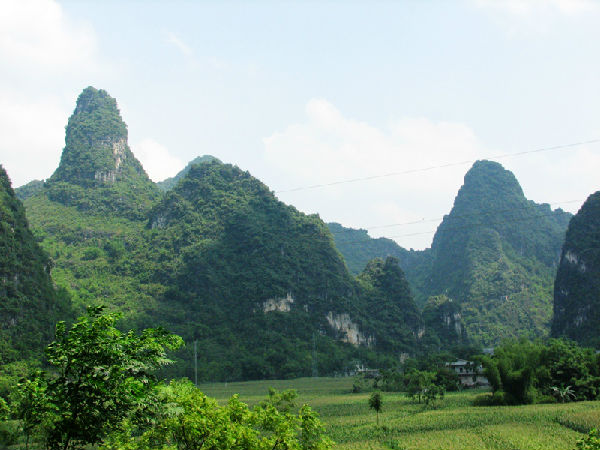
435	219
441	166
465	226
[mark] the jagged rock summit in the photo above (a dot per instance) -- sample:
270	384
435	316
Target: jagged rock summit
577	285
97	157
96	147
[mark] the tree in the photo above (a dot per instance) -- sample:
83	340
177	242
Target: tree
376	403
102	376
30	404
189	420
564	394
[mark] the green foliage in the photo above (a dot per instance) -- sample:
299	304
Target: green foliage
418	383
170	183
376	403
191	421
29	190
102	376
98	172
358	248
495	254
590	442
527	372
392	314
29	302
443	321
577	289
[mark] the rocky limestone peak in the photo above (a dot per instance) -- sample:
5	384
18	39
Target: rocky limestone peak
96	149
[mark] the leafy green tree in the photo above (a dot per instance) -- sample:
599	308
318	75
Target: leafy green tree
189	420
376	403
102	376
418	381
30	404
564	394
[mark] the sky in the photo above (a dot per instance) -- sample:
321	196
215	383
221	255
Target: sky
312	93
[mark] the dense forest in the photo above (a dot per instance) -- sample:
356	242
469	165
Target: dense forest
495	255
259	288
577	287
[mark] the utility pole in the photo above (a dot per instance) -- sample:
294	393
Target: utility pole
196	362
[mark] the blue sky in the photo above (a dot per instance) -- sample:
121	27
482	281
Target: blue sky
303	93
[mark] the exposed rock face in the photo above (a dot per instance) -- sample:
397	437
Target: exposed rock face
96	155
577	285
349	330
279	304
443	319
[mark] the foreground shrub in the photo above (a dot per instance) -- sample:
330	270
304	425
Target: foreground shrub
189	420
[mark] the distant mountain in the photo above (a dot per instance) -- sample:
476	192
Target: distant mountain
218	259
577	285
29	189
97	171
169	183
358	248
29	304
495	254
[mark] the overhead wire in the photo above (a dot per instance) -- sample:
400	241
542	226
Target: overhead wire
435	219
440	166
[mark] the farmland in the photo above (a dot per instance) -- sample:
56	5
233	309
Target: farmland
453	424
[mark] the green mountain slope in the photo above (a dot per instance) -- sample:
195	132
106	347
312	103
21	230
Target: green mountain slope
98	172
29	189
256	284
496	254
358	248
29	304
169	183
577	284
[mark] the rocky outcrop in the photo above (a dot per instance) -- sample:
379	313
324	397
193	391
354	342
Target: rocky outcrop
348	330
279	304
576	288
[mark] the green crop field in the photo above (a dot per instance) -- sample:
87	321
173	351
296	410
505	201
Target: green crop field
454	424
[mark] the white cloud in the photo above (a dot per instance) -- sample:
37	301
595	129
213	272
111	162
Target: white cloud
45	58
329	147
31	136
35	34
158	162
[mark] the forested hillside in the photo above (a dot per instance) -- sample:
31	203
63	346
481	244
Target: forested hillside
495	254
577	285
29	304
258	285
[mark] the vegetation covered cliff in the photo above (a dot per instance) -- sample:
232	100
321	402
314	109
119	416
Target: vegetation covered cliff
29	304
577	284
